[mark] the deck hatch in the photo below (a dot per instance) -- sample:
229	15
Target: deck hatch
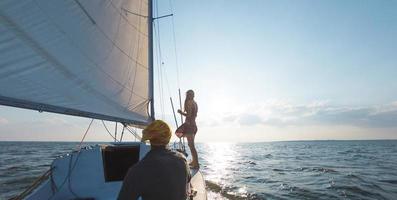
117	160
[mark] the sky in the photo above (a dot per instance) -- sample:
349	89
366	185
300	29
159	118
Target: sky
263	71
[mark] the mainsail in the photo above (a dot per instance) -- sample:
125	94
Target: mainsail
79	57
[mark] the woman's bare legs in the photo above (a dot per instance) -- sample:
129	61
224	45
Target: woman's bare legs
190	142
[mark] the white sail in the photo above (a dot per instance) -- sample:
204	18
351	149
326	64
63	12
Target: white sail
79	57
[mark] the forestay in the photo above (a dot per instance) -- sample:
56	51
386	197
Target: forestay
78	57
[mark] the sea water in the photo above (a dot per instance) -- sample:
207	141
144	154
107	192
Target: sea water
270	170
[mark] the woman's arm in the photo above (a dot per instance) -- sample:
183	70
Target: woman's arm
188	109
181	112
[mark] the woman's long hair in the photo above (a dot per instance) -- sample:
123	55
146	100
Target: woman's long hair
189	96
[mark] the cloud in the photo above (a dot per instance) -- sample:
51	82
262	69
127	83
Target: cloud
249	119
278	113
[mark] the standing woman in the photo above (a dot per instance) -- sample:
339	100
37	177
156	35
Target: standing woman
189	128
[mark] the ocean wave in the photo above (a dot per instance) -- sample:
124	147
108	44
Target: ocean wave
225	192
353	190
394	182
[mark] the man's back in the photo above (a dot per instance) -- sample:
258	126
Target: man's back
161	175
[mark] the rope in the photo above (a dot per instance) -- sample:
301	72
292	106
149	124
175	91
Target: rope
68	177
81	142
122	134
161	68
175	48
107	130
134	133
115	132
176	63
70	169
159	61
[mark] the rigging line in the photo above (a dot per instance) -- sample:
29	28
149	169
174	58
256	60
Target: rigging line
115	132
134	133
162	89
159	60
177	70
81	142
163	70
167	82
161	64
175	48
107	130
71	168
122	133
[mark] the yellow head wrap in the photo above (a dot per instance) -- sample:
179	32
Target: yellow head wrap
158	133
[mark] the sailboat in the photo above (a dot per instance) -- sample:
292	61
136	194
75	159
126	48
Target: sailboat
84	58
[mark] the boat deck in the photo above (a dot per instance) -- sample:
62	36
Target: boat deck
198	185
97	173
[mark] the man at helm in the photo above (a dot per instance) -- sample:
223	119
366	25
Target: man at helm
161	174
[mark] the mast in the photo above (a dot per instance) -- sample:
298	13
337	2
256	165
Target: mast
150	56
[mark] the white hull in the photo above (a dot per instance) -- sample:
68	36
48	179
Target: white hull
97	173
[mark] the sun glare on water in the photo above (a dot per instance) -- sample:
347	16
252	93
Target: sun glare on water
219	161
220	166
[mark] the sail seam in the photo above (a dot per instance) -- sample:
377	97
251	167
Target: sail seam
114	43
136	28
46	56
137	54
86	56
